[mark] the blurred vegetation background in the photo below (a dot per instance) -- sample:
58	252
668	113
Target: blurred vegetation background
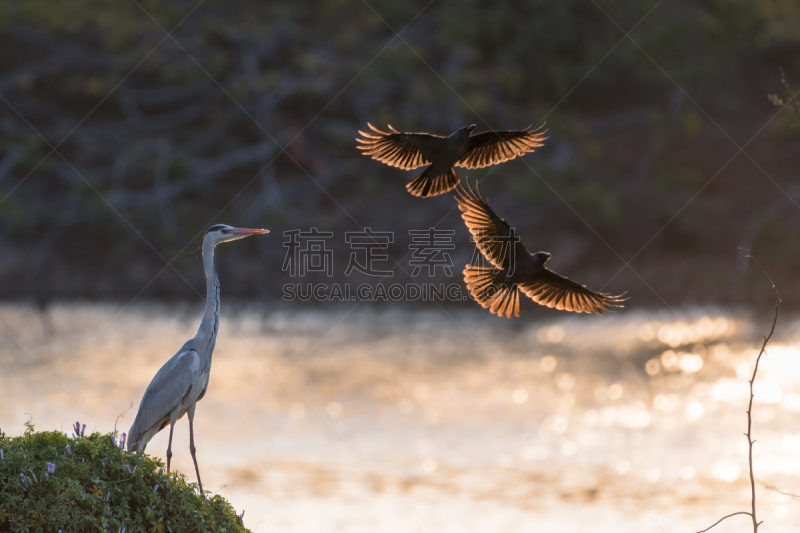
159	136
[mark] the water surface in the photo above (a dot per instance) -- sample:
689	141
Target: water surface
395	419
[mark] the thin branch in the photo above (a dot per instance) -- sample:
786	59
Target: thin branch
750	440
789	93
723	518
776	489
749	434
120	416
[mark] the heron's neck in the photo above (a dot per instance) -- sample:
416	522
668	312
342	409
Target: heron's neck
208	327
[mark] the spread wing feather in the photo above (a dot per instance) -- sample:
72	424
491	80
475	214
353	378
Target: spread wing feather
491	233
493	147
397	149
553	290
485	287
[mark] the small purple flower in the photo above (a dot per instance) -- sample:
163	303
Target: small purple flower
134	468
2	455
51	467
242	515
114	440
129	469
34	476
83	429
69	451
154	490
122	442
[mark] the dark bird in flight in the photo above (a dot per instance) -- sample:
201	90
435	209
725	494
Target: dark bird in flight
461	149
515	269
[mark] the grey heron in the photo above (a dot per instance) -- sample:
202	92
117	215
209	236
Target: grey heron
514	268
461	149
182	381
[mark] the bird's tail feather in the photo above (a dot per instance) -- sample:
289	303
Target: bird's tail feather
486	286
426	185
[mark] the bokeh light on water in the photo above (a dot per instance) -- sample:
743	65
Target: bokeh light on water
409	420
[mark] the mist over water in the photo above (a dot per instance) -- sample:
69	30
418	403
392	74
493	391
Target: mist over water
397	419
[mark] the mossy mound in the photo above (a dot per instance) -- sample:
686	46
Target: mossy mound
96	486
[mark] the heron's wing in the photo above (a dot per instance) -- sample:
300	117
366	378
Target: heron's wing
493	147
398	149
492	234
171	384
553	290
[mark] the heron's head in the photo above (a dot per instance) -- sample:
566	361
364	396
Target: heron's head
222	233
467	130
540	258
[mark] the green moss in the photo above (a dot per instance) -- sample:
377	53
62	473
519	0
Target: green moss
98	487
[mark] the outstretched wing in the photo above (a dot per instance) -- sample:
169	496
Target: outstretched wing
553	290
493	147
486	287
171	384
492	234
397	149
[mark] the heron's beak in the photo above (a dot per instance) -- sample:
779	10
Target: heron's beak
244	232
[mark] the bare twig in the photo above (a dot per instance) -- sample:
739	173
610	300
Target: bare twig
749	434
121	415
750	406
776	489
789	94
723	518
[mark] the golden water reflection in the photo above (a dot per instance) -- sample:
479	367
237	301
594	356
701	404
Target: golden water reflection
402	420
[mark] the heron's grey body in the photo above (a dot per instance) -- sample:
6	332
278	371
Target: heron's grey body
183	380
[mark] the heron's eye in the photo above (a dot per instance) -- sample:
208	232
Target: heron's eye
225	231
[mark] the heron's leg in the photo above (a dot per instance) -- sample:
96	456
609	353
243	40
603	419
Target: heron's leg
169	446
192	448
